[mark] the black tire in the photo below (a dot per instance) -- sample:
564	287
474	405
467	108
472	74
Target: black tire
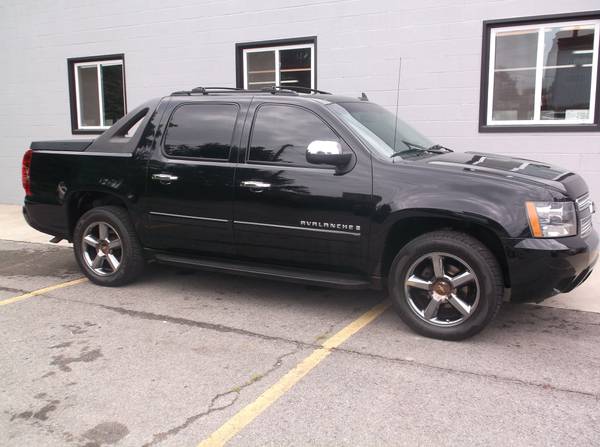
115	221
411	298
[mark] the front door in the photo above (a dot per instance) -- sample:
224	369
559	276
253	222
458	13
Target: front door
290	212
190	180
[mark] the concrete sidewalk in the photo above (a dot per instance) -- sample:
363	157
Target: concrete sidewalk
585	298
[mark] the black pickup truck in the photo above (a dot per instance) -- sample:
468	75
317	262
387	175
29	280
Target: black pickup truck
319	189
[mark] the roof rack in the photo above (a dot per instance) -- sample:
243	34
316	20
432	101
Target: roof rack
205	90
274	90
278	90
301	88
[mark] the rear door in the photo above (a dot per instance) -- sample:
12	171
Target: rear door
290	212
189	191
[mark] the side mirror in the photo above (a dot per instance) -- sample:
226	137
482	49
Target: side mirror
322	152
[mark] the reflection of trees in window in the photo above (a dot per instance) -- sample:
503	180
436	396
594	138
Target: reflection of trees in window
201	131
514	92
282	133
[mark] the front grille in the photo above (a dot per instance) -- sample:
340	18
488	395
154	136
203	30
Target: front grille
584	208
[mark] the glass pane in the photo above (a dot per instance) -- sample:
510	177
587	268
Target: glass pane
201	131
567	80
112	90
89	105
294	67
281	135
261	69
514	75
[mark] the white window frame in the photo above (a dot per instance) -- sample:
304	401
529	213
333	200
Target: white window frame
540	29
277	49
98	65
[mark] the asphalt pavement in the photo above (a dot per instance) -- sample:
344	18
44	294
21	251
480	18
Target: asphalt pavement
177	356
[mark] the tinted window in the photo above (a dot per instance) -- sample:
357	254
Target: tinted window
281	134
201	131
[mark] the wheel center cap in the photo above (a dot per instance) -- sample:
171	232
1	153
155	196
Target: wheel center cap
104	248
441	287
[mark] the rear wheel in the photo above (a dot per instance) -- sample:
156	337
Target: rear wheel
446	285
106	246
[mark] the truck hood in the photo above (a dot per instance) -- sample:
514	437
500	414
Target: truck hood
516	169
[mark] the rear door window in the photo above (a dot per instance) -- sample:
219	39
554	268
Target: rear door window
281	134
201	131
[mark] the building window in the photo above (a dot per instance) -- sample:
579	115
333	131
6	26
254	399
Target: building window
540	73
97	92
286	63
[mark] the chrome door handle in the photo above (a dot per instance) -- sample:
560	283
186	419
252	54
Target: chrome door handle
255	185
165	178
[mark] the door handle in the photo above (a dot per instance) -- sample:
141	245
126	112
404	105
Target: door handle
255	185
165	178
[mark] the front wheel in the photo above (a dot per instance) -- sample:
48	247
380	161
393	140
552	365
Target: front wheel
106	246
446	285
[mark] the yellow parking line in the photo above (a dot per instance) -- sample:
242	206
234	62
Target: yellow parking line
240	420
42	291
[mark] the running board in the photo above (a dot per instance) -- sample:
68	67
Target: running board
316	278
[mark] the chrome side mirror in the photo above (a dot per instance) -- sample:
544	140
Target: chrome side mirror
327	153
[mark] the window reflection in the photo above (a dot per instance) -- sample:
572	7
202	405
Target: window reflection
514	76
567	79
201	131
281	135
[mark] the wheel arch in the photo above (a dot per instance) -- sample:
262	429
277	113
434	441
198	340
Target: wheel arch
406	226
79	202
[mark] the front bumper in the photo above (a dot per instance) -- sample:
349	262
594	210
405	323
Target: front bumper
541	268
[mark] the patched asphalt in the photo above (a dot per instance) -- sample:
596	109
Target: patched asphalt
169	359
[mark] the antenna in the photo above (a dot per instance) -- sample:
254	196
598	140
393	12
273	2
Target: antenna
397	101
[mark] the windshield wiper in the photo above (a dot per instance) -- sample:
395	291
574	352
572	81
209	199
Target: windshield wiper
418	149
439	149
408	152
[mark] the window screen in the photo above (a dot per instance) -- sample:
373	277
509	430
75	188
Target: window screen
281	135
201	131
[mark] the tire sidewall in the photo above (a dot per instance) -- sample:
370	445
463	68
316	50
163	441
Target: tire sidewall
488	292
97	215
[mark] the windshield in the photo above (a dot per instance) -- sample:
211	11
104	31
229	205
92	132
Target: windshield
380	129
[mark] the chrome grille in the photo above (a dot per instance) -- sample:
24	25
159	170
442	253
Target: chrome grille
584	208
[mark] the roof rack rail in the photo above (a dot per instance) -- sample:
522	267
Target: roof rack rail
306	89
274	90
205	90
278	90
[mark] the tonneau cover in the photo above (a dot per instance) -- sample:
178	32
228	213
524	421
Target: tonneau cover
61	145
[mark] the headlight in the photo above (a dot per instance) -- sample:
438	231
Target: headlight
552	219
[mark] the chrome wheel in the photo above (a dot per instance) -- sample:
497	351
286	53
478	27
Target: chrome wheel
102	249
442	289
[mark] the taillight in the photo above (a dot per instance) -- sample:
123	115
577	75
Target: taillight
25	170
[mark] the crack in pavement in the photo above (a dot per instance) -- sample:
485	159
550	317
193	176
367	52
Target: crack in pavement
13	290
513	380
187	322
302	344
160	437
